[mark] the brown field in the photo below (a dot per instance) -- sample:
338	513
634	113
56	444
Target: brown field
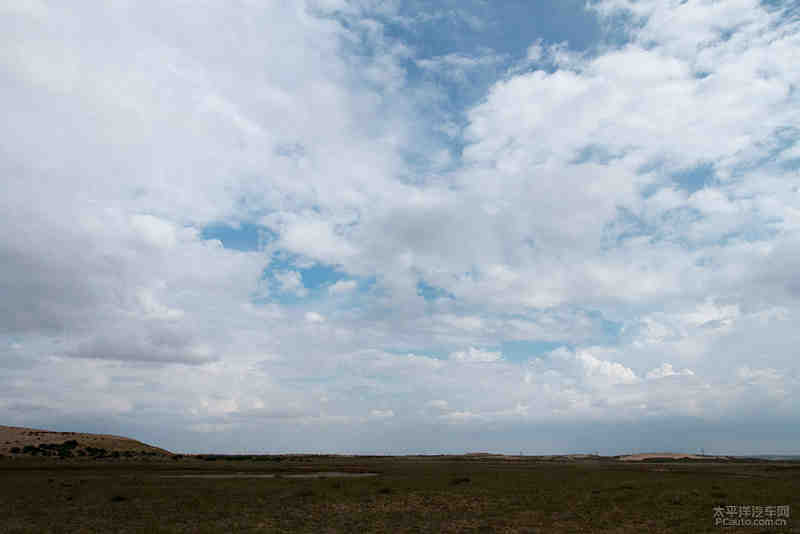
469	493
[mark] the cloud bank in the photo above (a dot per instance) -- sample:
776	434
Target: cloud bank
288	219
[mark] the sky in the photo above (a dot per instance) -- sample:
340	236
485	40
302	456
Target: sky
354	226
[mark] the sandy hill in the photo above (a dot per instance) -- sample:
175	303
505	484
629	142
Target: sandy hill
20	442
666	456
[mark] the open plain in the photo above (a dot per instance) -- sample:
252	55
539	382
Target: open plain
483	493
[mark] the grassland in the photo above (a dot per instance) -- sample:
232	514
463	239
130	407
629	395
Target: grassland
410	494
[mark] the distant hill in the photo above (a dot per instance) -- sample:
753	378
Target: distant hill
667	456
26	442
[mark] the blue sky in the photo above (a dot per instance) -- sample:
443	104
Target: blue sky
403	226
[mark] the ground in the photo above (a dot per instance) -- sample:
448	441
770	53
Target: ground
409	494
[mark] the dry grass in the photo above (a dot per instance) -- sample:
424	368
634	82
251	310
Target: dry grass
436	494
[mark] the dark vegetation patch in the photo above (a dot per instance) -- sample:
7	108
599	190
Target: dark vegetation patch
304	493
63	450
71	448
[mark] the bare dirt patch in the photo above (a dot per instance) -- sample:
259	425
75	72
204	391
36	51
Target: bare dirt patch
667	456
323	474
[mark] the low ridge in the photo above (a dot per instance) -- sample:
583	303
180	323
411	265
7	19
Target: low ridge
21	442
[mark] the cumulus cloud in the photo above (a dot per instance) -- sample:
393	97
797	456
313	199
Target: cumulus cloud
154	231
666	370
148	343
155	309
634	203
588	366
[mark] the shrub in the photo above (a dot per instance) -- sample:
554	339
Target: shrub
96	451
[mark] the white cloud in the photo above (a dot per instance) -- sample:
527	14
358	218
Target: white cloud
316	239
343	287
438	404
535	51
314	317
666	370
791	153
586	366
291	282
637	203
476	355
458	67
155	309
468	323
758	375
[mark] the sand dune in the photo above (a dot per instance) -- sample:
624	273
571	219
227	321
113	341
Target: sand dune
666	456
